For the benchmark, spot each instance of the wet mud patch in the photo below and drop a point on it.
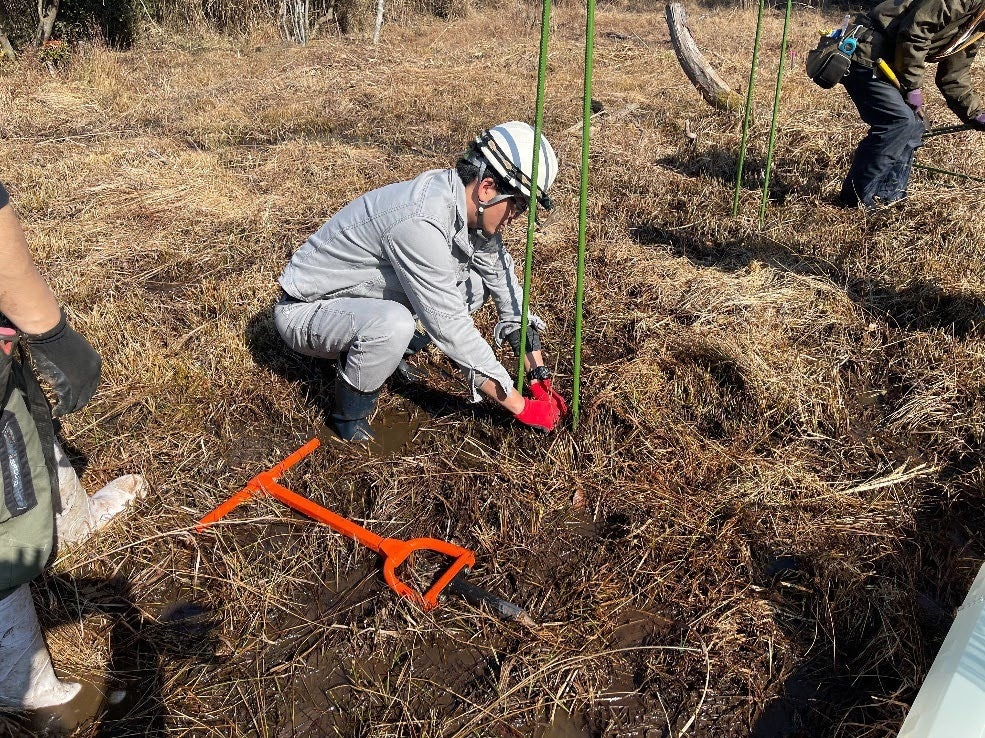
(397, 428)
(82, 710)
(338, 687)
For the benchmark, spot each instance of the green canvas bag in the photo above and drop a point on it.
(28, 476)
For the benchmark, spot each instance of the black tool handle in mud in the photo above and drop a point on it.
(477, 596)
(946, 130)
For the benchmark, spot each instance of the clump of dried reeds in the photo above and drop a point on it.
(778, 470)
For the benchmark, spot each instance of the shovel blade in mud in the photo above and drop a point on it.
(477, 597)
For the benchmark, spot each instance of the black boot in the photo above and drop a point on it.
(406, 372)
(420, 340)
(349, 418)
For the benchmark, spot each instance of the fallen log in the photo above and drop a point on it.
(702, 75)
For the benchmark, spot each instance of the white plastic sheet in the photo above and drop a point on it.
(951, 702)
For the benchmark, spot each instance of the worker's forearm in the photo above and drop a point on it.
(510, 400)
(25, 297)
(532, 359)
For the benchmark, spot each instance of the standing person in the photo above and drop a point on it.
(41, 500)
(908, 35)
(428, 249)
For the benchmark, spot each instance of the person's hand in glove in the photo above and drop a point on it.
(541, 414)
(69, 363)
(914, 98)
(539, 381)
(978, 122)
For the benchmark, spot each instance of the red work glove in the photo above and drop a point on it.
(541, 389)
(539, 414)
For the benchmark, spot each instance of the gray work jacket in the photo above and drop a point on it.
(409, 242)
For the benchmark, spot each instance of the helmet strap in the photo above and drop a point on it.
(482, 204)
(482, 165)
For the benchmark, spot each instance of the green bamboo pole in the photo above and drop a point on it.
(746, 115)
(545, 27)
(586, 132)
(776, 111)
(948, 172)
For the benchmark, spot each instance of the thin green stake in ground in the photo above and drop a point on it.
(586, 130)
(545, 27)
(776, 111)
(747, 114)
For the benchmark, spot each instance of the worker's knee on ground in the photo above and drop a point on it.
(533, 340)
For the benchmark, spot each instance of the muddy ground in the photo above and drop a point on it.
(764, 522)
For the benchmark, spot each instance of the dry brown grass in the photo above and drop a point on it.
(780, 456)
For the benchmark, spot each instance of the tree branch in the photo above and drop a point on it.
(712, 87)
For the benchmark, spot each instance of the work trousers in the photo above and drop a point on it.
(372, 332)
(883, 159)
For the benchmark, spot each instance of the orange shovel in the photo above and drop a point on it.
(394, 551)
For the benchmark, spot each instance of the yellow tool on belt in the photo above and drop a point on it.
(888, 73)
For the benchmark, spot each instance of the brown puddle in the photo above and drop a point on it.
(564, 725)
(395, 431)
(83, 708)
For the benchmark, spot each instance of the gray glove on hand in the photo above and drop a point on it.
(66, 360)
(509, 331)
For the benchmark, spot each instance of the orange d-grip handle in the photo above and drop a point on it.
(397, 551)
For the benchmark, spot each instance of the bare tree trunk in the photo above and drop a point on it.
(379, 22)
(712, 87)
(294, 20)
(6, 48)
(47, 12)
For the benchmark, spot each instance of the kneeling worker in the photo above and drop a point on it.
(430, 250)
(907, 34)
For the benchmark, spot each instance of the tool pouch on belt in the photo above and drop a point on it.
(28, 475)
(828, 64)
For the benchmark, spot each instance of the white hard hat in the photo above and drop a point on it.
(509, 148)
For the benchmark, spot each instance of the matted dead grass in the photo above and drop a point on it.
(776, 488)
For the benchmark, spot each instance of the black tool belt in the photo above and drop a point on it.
(868, 35)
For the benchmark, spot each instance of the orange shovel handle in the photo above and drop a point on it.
(323, 515)
(238, 498)
(394, 550)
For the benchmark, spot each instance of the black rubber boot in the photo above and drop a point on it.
(350, 416)
(420, 340)
(406, 372)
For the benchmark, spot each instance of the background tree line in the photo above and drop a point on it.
(31, 23)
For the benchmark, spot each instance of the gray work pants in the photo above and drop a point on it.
(372, 332)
